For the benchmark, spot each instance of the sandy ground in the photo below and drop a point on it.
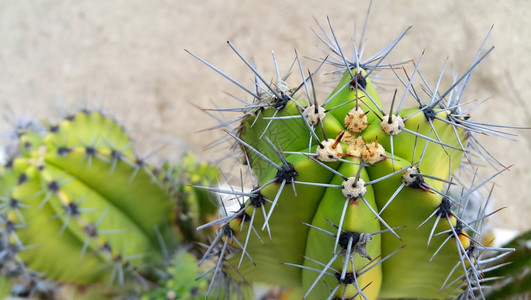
(128, 57)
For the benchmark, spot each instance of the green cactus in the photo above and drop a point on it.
(182, 283)
(81, 207)
(352, 198)
(187, 281)
(511, 270)
(194, 207)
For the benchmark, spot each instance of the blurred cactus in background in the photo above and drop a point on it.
(511, 273)
(182, 283)
(193, 206)
(80, 206)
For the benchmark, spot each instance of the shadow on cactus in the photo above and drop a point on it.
(79, 206)
(350, 198)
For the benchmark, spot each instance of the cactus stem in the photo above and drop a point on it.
(351, 243)
(393, 196)
(92, 233)
(380, 218)
(361, 250)
(444, 285)
(306, 267)
(244, 249)
(340, 226)
(280, 189)
(329, 168)
(327, 185)
(322, 273)
(268, 124)
(346, 103)
(442, 112)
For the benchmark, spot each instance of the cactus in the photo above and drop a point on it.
(193, 206)
(512, 270)
(187, 281)
(181, 284)
(79, 205)
(352, 198)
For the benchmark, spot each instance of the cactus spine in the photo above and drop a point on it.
(351, 199)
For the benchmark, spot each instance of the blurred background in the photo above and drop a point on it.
(128, 58)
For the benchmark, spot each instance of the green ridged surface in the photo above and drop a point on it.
(87, 162)
(405, 274)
